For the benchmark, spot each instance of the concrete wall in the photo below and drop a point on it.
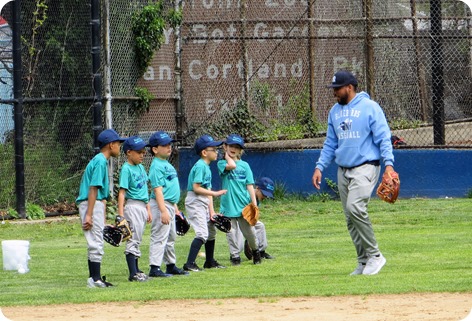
(423, 173)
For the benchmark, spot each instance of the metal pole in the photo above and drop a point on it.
(107, 69)
(437, 75)
(97, 77)
(311, 55)
(369, 48)
(245, 57)
(179, 113)
(18, 111)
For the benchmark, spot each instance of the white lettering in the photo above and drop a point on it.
(207, 4)
(167, 34)
(264, 34)
(231, 31)
(263, 72)
(340, 62)
(280, 70)
(199, 30)
(288, 3)
(218, 33)
(167, 70)
(149, 74)
(190, 69)
(197, 71)
(296, 69)
(212, 72)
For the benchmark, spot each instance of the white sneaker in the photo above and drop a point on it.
(95, 284)
(359, 269)
(374, 265)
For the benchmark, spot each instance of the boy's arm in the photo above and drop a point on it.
(121, 202)
(165, 217)
(91, 199)
(230, 163)
(148, 208)
(252, 193)
(198, 189)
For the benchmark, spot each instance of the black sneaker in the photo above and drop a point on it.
(266, 255)
(138, 277)
(191, 267)
(235, 260)
(107, 284)
(157, 273)
(176, 271)
(256, 257)
(247, 250)
(213, 265)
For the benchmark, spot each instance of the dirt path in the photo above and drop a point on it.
(437, 307)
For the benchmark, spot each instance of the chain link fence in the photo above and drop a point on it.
(258, 68)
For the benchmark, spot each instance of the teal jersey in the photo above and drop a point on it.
(235, 181)
(133, 179)
(201, 174)
(163, 174)
(96, 174)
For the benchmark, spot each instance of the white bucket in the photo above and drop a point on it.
(15, 255)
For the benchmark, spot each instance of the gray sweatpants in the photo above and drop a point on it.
(355, 189)
(260, 235)
(162, 236)
(136, 214)
(198, 215)
(240, 225)
(94, 236)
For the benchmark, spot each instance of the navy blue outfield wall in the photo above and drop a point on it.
(423, 173)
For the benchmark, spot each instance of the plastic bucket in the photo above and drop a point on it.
(15, 255)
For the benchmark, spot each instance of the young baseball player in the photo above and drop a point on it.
(133, 202)
(199, 204)
(264, 189)
(93, 193)
(237, 178)
(165, 194)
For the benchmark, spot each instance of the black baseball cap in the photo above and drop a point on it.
(343, 78)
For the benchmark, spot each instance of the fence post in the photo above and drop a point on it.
(246, 88)
(437, 75)
(179, 113)
(311, 55)
(369, 48)
(18, 111)
(97, 78)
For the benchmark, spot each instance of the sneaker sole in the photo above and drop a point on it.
(377, 270)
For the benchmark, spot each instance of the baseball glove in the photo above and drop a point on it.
(222, 222)
(251, 214)
(181, 224)
(112, 235)
(122, 224)
(389, 187)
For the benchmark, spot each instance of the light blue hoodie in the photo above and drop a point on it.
(357, 132)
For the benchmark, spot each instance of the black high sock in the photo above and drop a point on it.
(94, 270)
(210, 251)
(194, 249)
(131, 260)
(137, 266)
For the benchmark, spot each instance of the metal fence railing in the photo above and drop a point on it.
(258, 68)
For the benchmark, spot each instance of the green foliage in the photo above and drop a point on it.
(148, 29)
(469, 193)
(13, 213)
(34, 212)
(424, 241)
(174, 17)
(237, 120)
(334, 187)
(401, 123)
(144, 102)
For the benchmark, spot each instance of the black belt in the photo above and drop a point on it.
(374, 162)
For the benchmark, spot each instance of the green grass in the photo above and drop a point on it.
(427, 243)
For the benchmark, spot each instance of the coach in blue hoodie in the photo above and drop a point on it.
(358, 138)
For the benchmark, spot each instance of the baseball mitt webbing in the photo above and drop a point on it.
(389, 187)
